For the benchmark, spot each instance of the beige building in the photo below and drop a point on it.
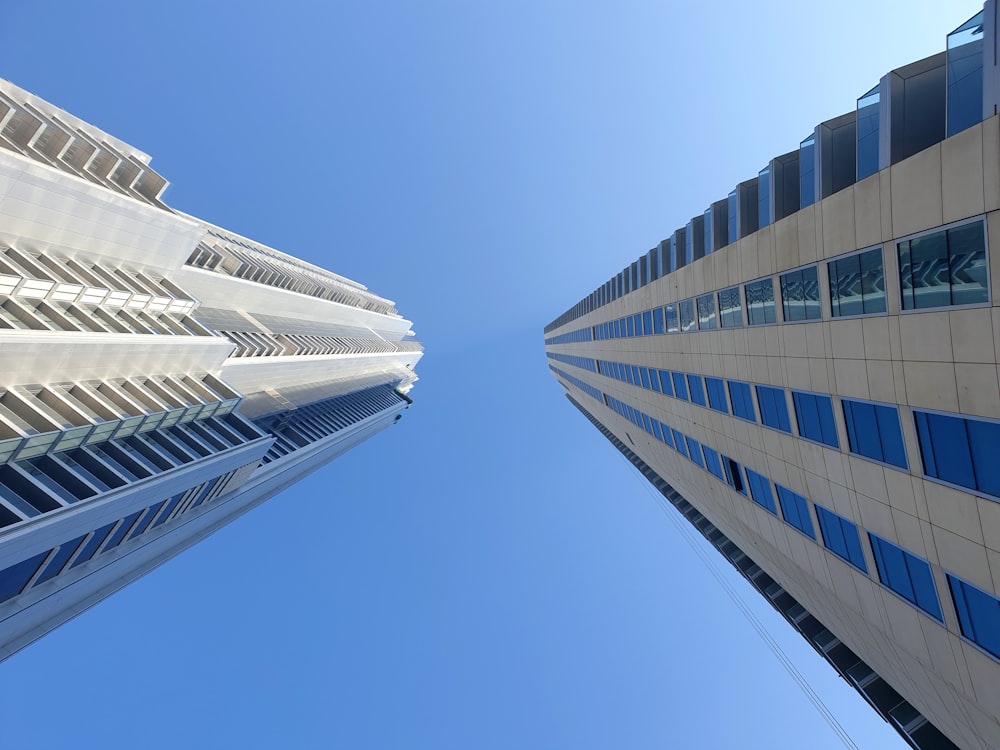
(809, 372)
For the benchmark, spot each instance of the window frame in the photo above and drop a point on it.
(820, 509)
(844, 256)
(949, 576)
(930, 478)
(878, 577)
(833, 416)
(819, 290)
(774, 301)
(739, 316)
(944, 228)
(847, 433)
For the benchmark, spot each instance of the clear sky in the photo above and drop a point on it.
(488, 573)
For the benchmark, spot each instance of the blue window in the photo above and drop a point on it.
(716, 388)
(16, 577)
(730, 308)
(638, 323)
(906, 574)
(630, 326)
(646, 424)
(978, 614)
(667, 438)
(773, 408)
(795, 510)
(121, 531)
(857, 284)
(706, 312)
(760, 491)
(760, 302)
(960, 450)
(712, 462)
(658, 320)
(694, 451)
(679, 444)
(733, 475)
(815, 417)
(680, 386)
(647, 323)
(636, 378)
(644, 377)
(687, 317)
(696, 389)
(665, 383)
(965, 75)
(841, 537)
(873, 431)
(739, 394)
(944, 268)
(654, 380)
(670, 315)
(91, 546)
(800, 295)
(57, 562)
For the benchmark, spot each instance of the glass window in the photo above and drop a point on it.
(679, 443)
(873, 431)
(739, 395)
(706, 312)
(647, 323)
(978, 614)
(667, 435)
(906, 574)
(814, 414)
(857, 284)
(57, 562)
(945, 268)
(630, 326)
(760, 490)
(654, 380)
(795, 510)
(867, 118)
(800, 295)
(658, 320)
(807, 171)
(773, 408)
(696, 390)
(760, 302)
(670, 313)
(764, 196)
(960, 450)
(712, 462)
(92, 544)
(694, 451)
(688, 321)
(965, 75)
(716, 388)
(16, 577)
(733, 228)
(841, 537)
(730, 308)
(644, 377)
(665, 383)
(733, 475)
(680, 386)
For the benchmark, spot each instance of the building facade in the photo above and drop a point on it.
(159, 376)
(808, 372)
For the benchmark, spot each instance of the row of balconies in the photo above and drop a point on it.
(256, 344)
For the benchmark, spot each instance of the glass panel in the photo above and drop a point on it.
(16, 577)
(764, 197)
(706, 312)
(807, 171)
(687, 316)
(760, 302)
(868, 117)
(730, 308)
(733, 229)
(965, 75)
(967, 264)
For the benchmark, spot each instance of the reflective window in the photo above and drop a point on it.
(857, 284)
(706, 312)
(665, 383)
(670, 313)
(978, 614)
(873, 431)
(680, 386)
(807, 171)
(760, 490)
(679, 443)
(733, 475)
(696, 390)
(92, 544)
(730, 308)
(57, 562)
(800, 295)
(841, 537)
(716, 388)
(814, 413)
(944, 268)
(712, 462)
(764, 197)
(760, 302)
(739, 395)
(16, 577)
(868, 116)
(694, 451)
(965, 75)
(688, 320)
(773, 408)
(647, 323)
(667, 435)
(658, 326)
(795, 510)
(906, 574)
(960, 450)
(733, 228)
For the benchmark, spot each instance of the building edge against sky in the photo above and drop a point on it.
(160, 375)
(808, 372)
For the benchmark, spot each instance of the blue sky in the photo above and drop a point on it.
(488, 573)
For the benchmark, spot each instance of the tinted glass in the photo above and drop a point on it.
(730, 308)
(706, 312)
(800, 295)
(760, 302)
(687, 316)
(944, 268)
(978, 614)
(867, 130)
(965, 75)
(807, 171)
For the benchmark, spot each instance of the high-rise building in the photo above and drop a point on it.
(159, 376)
(808, 372)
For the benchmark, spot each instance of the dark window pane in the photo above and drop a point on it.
(16, 577)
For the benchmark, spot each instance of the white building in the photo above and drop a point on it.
(807, 371)
(159, 376)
